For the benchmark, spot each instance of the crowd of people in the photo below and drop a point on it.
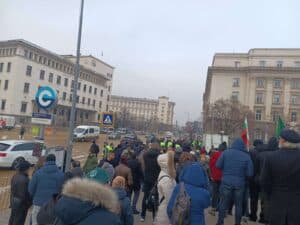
(179, 180)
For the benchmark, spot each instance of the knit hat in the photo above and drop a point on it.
(290, 136)
(23, 166)
(118, 182)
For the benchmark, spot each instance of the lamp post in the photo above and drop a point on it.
(74, 93)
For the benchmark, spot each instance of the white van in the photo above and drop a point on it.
(83, 133)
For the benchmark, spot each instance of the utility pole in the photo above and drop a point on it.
(74, 93)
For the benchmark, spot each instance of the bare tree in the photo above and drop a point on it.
(227, 116)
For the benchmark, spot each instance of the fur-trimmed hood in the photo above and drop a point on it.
(81, 196)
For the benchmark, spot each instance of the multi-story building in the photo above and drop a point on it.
(24, 67)
(144, 109)
(266, 80)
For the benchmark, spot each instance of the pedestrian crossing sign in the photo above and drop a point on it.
(108, 119)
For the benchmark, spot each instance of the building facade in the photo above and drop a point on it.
(24, 67)
(144, 109)
(266, 80)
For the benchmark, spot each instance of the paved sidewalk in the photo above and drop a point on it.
(210, 220)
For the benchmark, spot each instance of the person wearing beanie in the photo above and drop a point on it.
(125, 210)
(46, 182)
(20, 200)
(280, 180)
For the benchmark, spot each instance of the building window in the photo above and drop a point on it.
(77, 99)
(95, 91)
(275, 116)
(297, 63)
(8, 67)
(26, 88)
(107, 97)
(236, 82)
(258, 134)
(294, 116)
(276, 99)
(109, 88)
(258, 114)
(106, 108)
(90, 89)
(23, 107)
(5, 84)
(100, 104)
(42, 75)
(1, 67)
(58, 80)
(277, 83)
(84, 88)
(28, 70)
(94, 102)
(262, 63)
(295, 84)
(78, 85)
(87, 116)
(259, 98)
(234, 96)
(72, 84)
(294, 99)
(83, 100)
(50, 79)
(279, 64)
(89, 101)
(101, 93)
(260, 83)
(71, 98)
(237, 64)
(3, 103)
(64, 97)
(66, 82)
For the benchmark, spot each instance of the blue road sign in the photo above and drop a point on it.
(46, 97)
(107, 119)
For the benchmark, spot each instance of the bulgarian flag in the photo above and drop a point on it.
(245, 133)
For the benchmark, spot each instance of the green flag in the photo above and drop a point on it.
(279, 127)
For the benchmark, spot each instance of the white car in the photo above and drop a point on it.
(13, 151)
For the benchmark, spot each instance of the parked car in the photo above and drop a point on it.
(83, 133)
(14, 151)
(114, 135)
(130, 137)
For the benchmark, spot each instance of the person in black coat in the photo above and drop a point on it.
(280, 180)
(20, 200)
(151, 172)
(95, 148)
(137, 176)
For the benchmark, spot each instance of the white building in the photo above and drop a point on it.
(144, 109)
(24, 67)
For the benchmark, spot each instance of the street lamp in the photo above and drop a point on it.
(74, 93)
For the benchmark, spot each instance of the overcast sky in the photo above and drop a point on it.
(159, 47)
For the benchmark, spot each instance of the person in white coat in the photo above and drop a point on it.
(165, 186)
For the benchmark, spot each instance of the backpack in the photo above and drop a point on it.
(181, 212)
(152, 200)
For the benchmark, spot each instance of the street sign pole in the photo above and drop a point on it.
(74, 94)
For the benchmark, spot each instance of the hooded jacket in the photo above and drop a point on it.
(86, 202)
(152, 168)
(90, 163)
(46, 182)
(126, 215)
(236, 165)
(137, 173)
(165, 187)
(216, 174)
(109, 170)
(195, 180)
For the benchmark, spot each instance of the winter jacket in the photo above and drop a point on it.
(86, 202)
(165, 187)
(137, 173)
(235, 164)
(94, 148)
(124, 171)
(280, 180)
(77, 172)
(109, 170)
(195, 182)
(125, 213)
(152, 168)
(45, 182)
(90, 163)
(19, 191)
(216, 174)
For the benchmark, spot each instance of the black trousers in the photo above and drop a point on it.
(254, 190)
(18, 216)
(147, 189)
